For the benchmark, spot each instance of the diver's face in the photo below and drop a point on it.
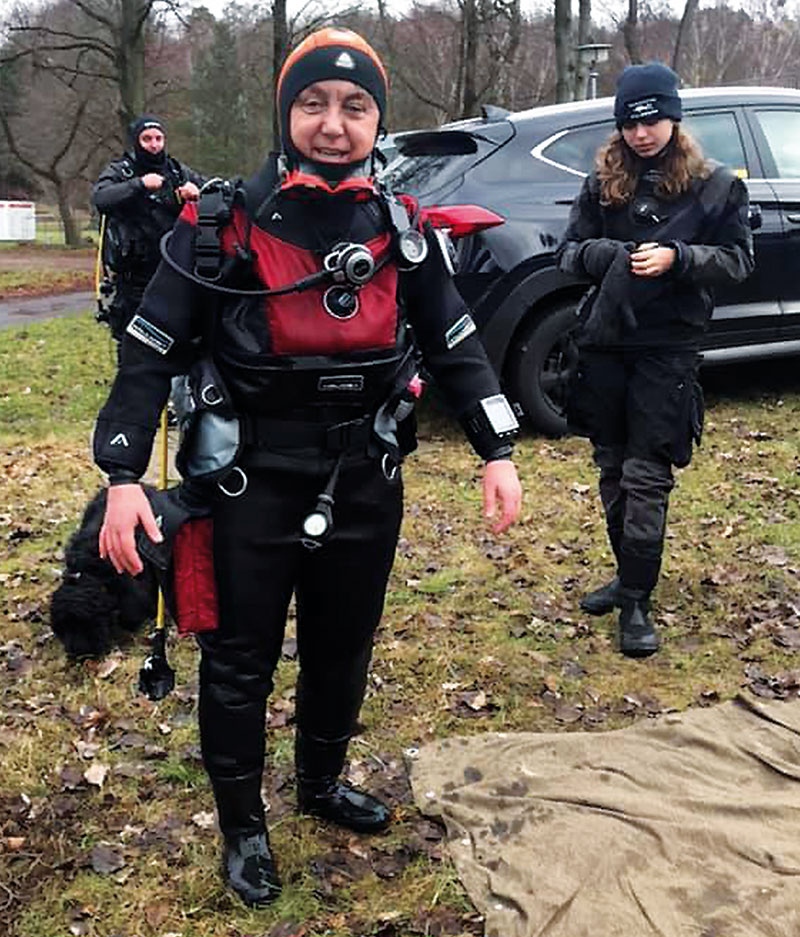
(647, 138)
(334, 121)
(152, 140)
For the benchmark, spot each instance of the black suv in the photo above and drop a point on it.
(528, 166)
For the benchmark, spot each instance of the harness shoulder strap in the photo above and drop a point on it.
(214, 209)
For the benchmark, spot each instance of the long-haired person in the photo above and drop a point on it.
(656, 227)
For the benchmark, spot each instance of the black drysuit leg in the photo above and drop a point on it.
(340, 590)
(609, 460)
(646, 486)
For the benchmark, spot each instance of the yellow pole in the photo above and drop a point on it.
(99, 258)
(163, 452)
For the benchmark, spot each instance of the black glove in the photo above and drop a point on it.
(597, 254)
(612, 312)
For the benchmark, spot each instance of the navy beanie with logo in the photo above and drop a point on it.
(647, 92)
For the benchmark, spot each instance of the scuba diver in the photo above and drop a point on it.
(139, 197)
(656, 227)
(304, 301)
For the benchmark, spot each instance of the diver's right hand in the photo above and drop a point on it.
(152, 181)
(127, 507)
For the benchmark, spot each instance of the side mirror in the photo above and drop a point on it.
(754, 217)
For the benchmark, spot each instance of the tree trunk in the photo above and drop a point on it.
(683, 33)
(71, 234)
(584, 25)
(630, 32)
(563, 41)
(130, 61)
(469, 101)
(280, 41)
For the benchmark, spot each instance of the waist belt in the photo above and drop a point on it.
(266, 433)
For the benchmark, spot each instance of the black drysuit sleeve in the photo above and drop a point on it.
(459, 366)
(726, 254)
(584, 252)
(114, 190)
(170, 312)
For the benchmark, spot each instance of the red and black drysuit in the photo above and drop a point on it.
(310, 390)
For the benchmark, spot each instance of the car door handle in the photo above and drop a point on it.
(795, 219)
(755, 217)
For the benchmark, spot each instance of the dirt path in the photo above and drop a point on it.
(30, 309)
(47, 258)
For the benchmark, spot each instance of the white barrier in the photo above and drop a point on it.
(17, 221)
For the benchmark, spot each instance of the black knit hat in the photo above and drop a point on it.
(328, 53)
(645, 92)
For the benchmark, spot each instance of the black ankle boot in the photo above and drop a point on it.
(603, 600)
(247, 862)
(637, 634)
(320, 793)
(249, 868)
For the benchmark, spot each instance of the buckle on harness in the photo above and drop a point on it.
(213, 213)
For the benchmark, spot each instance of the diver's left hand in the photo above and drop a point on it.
(188, 192)
(501, 484)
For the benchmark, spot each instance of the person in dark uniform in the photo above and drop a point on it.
(319, 376)
(656, 227)
(141, 195)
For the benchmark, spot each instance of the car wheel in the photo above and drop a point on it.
(543, 361)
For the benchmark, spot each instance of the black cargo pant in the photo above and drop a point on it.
(339, 590)
(642, 410)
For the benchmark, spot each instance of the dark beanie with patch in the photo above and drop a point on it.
(330, 53)
(647, 92)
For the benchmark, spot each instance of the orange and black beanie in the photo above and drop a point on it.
(328, 53)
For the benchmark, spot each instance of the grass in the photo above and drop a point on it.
(42, 282)
(479, 634)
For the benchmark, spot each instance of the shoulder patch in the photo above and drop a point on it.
(459, 330)
(150, 335)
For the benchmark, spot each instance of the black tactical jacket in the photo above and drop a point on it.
(138, 218)
(708, 227)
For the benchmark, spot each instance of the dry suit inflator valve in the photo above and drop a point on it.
(351, 266)
(349, 263)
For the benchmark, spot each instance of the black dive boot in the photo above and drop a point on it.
(637, 634)
(322, 794)
(603, 600)
(247, 862)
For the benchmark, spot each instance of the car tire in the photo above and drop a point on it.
(543, 361)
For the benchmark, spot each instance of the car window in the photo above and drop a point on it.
(782, 130)
(719, 138)
(574, 149)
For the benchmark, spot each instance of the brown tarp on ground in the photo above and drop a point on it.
(688, 826)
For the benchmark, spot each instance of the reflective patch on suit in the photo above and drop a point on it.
(150, 335)
(499, 414)
(459, 331)
(120, 440)
(349, 383)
